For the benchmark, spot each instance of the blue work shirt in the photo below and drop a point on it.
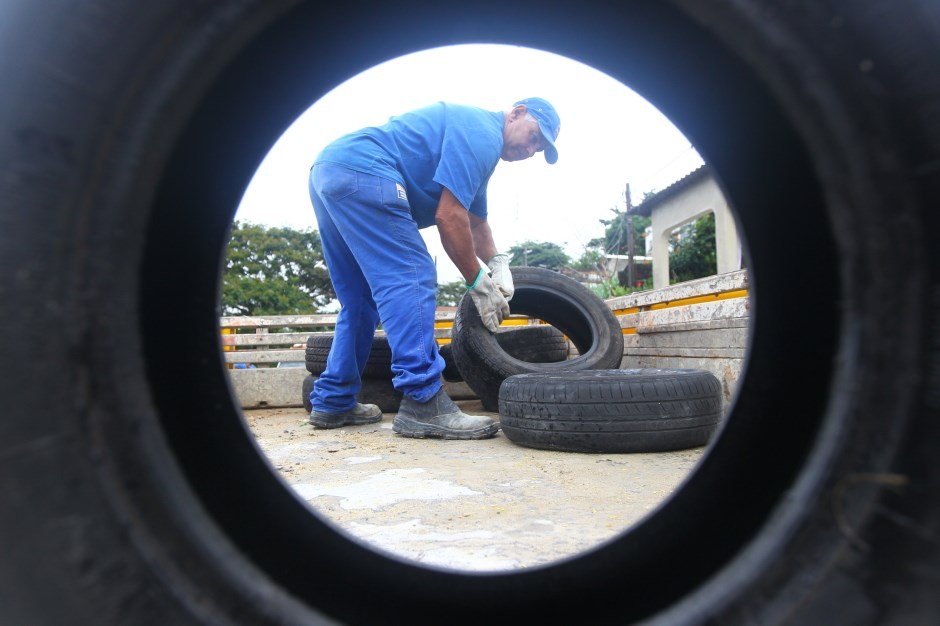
(442, 145)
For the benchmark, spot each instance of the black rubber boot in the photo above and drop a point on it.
(359, 414)
(440, 418)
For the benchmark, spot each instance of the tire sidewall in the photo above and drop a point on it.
(484, 364)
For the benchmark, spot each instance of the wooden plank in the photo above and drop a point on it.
(683, 352)
(627, 321)
(701, 326)
(269, 339)
(710, 338)
(273, 321)
(703, 316)
(705, 312)
(264, 356)
(731, 281)
(289, 339)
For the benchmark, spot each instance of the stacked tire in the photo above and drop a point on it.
(532, 344)
(570, 307)
(535, 344)
(378, 365)
(582, 404)
(376, 376)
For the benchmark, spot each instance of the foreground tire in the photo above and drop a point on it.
(536, 344)
(562, 302)
(134, 494)
(373, 391)
(640, 410)
(379, 364)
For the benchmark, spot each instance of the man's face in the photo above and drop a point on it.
(521, 136)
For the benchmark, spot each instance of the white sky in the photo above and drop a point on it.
(609, 136)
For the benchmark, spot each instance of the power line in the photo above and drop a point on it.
(649, 175)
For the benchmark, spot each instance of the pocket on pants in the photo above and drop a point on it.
(334, 181)
(395, 197)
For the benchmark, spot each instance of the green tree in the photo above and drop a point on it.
(274, 271)
(693, 253)
(449, 294)
(539, 254)
(615, 233)
(593, 252)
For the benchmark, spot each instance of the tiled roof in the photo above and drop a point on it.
(646, 207)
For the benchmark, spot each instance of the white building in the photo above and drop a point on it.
(681, 203)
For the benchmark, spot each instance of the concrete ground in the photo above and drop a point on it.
(468, 505)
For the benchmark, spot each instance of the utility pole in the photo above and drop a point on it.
(631, 247)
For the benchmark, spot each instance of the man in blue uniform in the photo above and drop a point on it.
(371, 191)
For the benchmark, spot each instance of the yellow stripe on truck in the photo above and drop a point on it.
(712, 297)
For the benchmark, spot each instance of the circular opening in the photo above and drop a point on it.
(484, 505)
(765, 170)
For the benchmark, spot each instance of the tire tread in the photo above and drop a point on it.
(611, 410)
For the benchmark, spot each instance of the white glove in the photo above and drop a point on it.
(499, 270)
(491, 304)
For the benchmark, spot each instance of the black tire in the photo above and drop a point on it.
(134, 494)
(305, 389)
(380, 392)
(373, 391)
(638, 410)
(451, 374)
(535, 344)
(565, 304)
(379, 364)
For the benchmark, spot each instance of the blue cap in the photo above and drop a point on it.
(548, 121)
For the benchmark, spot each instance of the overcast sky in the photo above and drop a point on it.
(609, 136)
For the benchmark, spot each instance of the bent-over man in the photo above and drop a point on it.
(372, 190)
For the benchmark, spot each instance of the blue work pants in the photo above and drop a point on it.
(381, 270)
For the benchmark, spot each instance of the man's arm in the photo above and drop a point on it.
(486, 250)
(459, 240)
(462, 244)
(483, 243)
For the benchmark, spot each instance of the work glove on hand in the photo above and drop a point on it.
(490, 302)
(499, 270)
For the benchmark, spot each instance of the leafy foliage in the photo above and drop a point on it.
(449, 294)
(539, 254)
(274, 271)
(612, 288)
(693, 251)
(591, 256)
(615, 234)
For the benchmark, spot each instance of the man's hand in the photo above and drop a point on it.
(499, 268)
(491, 304)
